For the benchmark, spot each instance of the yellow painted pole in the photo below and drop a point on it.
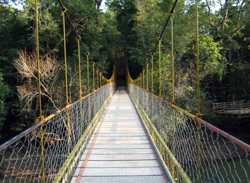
(152, 85)
(66, 77)
(89, 111)
(152, 72)
(93, 76)
(101, 87)
(87, 55)
(160, 121)
(97, 87)
(38, 63)
(147, 91)
(173, 81)
(159, 39)
(97, 78)
(78, 38)
(172, 56)
(65, 56)
(100, 79)
(79, 61)
(198, 60)
(198, 96)
(143, 84)
(140, 79)
(147, 76)
(94, 102)
(80, 77)
(39, 91)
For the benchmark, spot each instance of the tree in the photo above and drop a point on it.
(26, 66)
(3, 95)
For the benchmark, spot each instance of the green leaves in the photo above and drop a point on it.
(4, 88)
(212, 61)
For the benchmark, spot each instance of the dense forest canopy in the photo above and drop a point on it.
(131, 25)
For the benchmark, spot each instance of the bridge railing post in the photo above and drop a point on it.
(159, 69)
(41, 117)
(152, 86)
(198, 97)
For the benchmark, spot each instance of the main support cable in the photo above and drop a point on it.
(163, 30)
(150, 60)
(74, 29)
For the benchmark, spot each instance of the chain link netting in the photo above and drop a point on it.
(37, 154)
(203, 152)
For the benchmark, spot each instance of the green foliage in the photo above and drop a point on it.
(17, 32)
(132, 26)
(3, 95)
(212, 62)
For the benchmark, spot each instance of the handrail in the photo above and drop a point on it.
(21, 157)
(157, 137)
(178, 129)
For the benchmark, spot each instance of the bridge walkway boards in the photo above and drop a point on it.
(119, 150)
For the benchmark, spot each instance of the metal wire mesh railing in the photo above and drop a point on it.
(192, 155)
(53, 145)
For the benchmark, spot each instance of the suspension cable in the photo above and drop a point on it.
(79, 58)
(163, 30)
(65, 55)
(38, 64)
(143, 83)
(154, 50)
(87, 55)
(159, 39)
(74, 29)
(198, 62)
(97, 78)
(39, 91)
(100, 79)
(198, 97)
(152, 72)
(172, 55)
(93, 64)
(147, 76)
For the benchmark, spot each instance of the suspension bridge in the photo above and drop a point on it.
(123, 134)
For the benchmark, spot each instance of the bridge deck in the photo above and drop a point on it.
(119, 151)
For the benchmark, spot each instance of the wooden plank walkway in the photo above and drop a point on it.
(119, 151)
